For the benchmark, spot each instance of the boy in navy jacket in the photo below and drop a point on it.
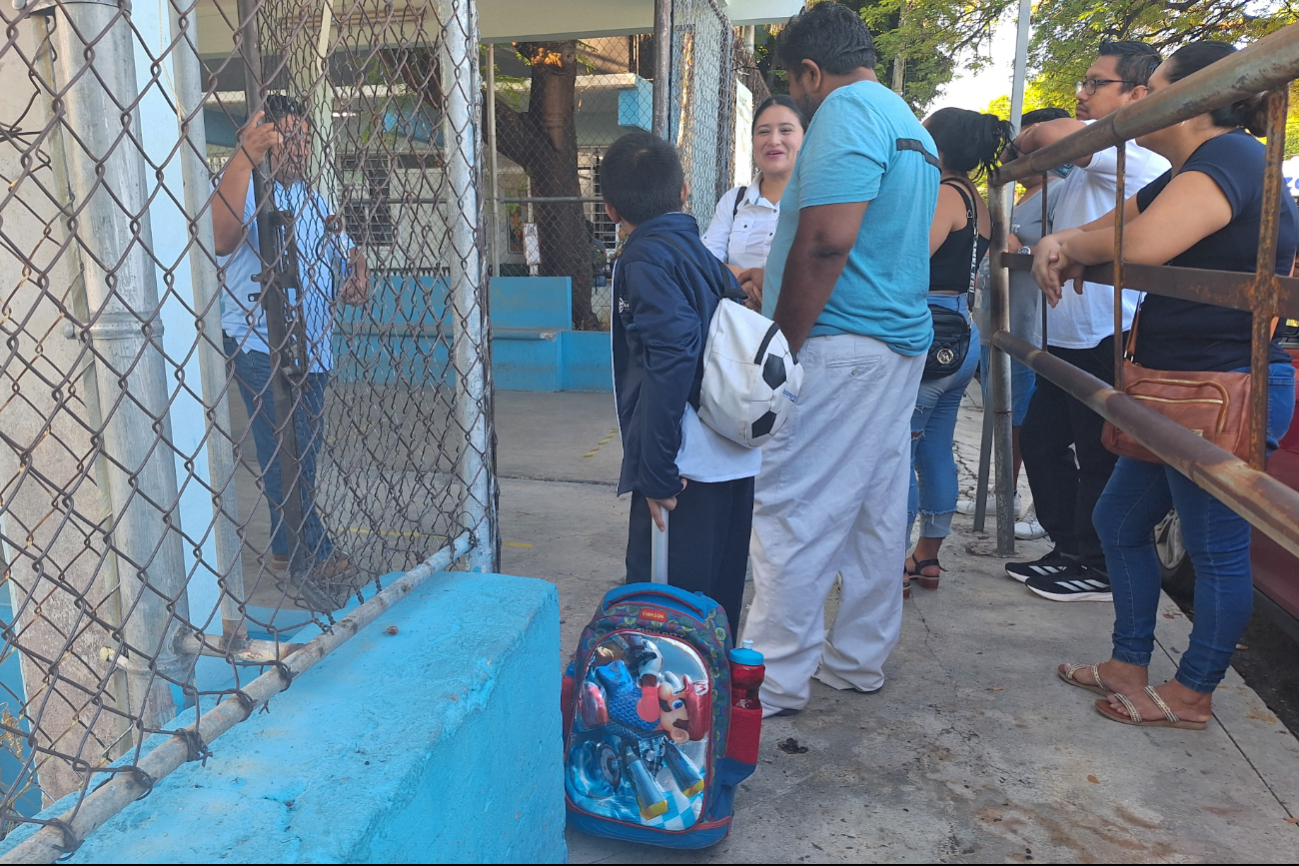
(666, 285)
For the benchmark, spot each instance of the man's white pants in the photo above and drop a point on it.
(832, 499)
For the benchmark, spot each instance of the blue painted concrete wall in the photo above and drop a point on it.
(532, 302)
(403, 334)
(587, 365)
(440, 743)
(532, 346)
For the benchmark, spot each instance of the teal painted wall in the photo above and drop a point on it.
(440, 743)
(403, 334)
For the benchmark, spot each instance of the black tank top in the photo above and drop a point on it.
(949, 266)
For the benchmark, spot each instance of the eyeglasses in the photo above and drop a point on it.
(1090, 84)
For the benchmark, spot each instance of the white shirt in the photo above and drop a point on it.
(319, 255)
(1082, 321)
(745, 240)
(708, 456)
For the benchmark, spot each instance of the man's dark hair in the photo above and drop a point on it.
(830, 35)
(278, 106)
(1137, 61)
(1041, 115)
(641, 177)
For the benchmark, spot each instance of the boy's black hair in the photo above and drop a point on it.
(278, 106)
(641, 177)
(1137, 61)
(830, 35)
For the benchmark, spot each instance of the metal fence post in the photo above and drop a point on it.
(999, 207)
(662, 68)
(468, 311)
(111, 221)
(491, 160)
(207, 309)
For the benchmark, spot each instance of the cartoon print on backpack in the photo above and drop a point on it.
(639, 746)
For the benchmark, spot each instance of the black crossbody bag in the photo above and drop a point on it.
(952, 328)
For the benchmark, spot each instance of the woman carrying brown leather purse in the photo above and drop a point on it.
(1203, 213)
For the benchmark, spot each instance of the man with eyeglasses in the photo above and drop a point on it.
(1067, 482)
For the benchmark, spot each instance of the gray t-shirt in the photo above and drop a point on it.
(1025, 296)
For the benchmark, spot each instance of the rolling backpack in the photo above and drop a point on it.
(653, 748)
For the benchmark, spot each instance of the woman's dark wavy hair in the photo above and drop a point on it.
(783, 101)
(1249, 113)
(968, 141)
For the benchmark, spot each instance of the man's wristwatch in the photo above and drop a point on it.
(1025, 251)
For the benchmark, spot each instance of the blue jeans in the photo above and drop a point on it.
(1138, 496)
(1023, 382)
(933, 424)
(253, 373)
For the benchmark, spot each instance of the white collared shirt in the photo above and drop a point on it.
(745, 239)
(1082, 321)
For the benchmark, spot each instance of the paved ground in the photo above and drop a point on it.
(974, 751)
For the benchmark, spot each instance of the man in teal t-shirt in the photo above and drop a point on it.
(846, 281)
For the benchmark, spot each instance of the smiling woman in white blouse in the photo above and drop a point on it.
(745, 222)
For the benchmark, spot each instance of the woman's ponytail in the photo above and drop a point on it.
(967, 141)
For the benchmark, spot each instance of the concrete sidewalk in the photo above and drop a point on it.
(974, 751)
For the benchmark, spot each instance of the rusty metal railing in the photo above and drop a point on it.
(1268, 65)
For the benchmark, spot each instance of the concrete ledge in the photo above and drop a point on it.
(440, 743)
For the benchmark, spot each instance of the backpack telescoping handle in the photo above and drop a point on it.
(659, 550)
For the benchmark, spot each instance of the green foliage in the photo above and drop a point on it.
(1066, 33)
(929, 35)
(1035, 97)
(1292, 123)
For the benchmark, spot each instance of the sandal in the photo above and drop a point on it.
(924, 581)
(1170, 719)
(906, 584)
(1097, 685)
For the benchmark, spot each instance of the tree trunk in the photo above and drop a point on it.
(543, 141)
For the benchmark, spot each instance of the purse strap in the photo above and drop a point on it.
(971, 217)
(1130, 350)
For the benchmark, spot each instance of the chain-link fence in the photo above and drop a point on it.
(241, 385)
(558, 107)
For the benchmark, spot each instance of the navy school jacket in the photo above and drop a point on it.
(664, 295)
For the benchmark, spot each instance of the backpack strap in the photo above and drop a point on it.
(739, 197)
(722, 294)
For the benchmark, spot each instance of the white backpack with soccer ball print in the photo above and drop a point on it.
(751, 378)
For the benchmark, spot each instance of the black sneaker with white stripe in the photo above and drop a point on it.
(1074, 583)
(1051, 564)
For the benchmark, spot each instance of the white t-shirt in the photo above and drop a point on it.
(745, 239)
(708, 456)
(320, 254)
(1082, 321)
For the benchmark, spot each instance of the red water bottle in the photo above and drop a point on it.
(747, 673)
